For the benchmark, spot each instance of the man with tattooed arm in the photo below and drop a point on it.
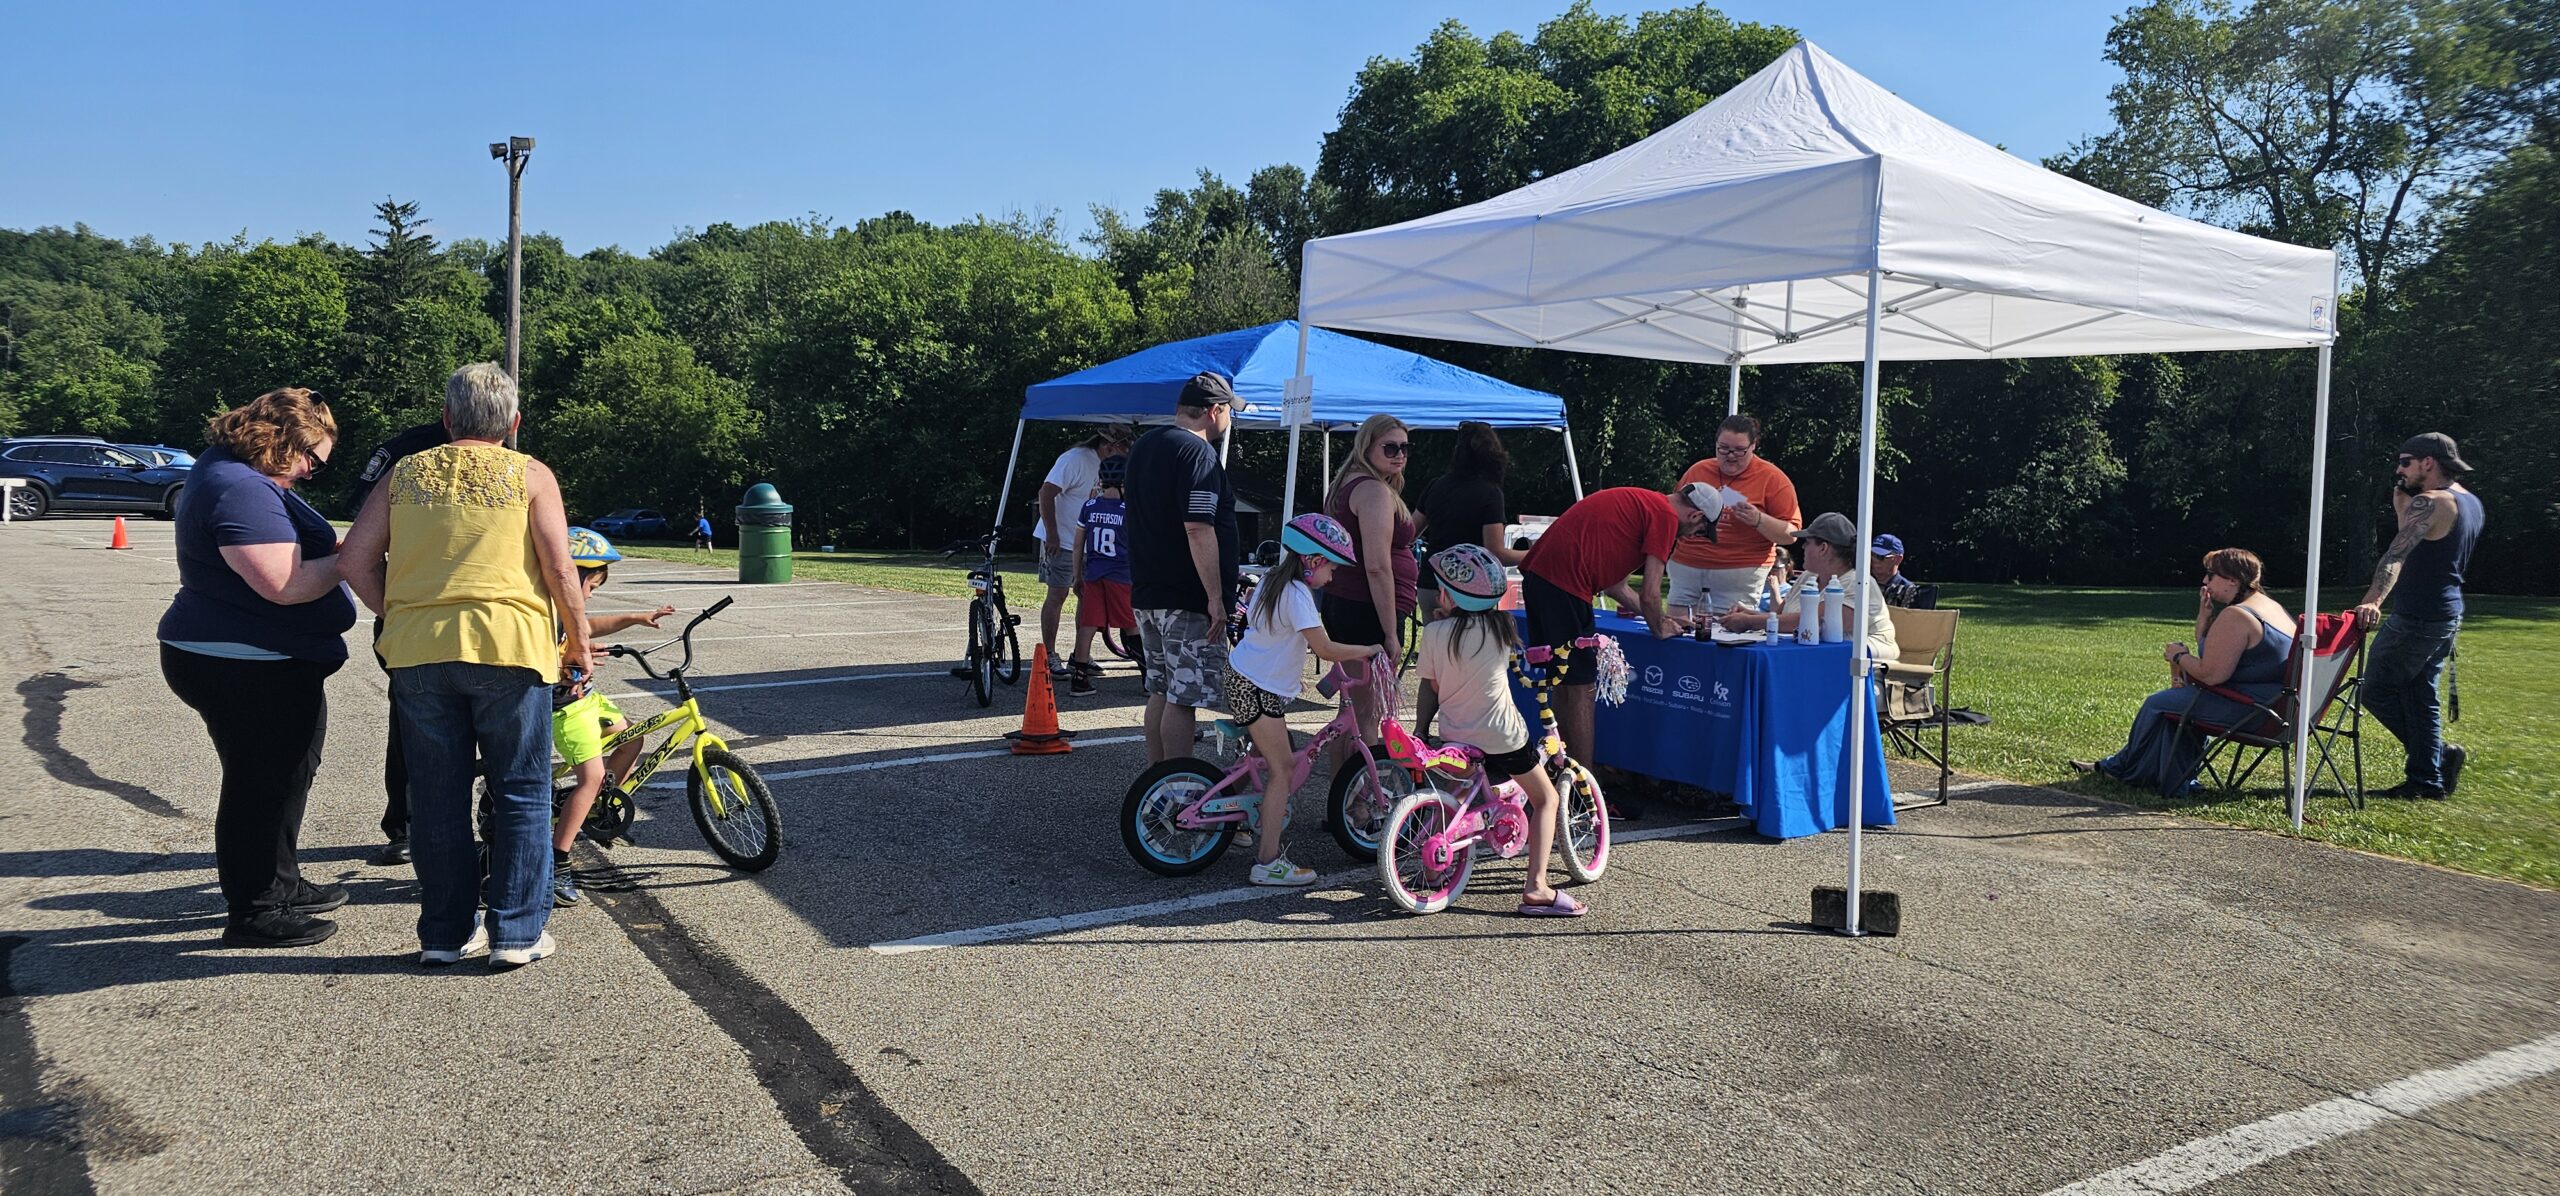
(2421, 574)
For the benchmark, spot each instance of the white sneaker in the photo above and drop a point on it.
(515, 957)
(479, 945)
(1282, 873)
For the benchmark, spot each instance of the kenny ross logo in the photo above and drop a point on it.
(1724, 693)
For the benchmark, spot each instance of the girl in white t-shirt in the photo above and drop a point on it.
(1466, 656)
(1266, 670)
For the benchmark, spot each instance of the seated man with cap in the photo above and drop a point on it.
(1831, 543)
(1885, 565)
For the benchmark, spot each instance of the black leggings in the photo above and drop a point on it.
(268, 719)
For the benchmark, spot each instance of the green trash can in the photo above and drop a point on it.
(764, 536)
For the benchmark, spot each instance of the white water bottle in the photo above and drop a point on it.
(1835, 613)
(1806, 603)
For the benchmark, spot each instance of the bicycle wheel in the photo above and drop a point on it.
(982, 653)
(1582, 821)
(1410, 879)
(1007, 636)
(1362, 799)
(1147, 819)
(747, 831)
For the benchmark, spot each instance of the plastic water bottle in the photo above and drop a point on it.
(1835, 613)
(1806, 603)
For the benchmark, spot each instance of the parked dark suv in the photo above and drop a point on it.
(84, 473)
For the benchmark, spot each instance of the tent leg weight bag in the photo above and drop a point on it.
(1878, 913)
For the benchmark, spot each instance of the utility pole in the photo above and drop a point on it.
(514, 151)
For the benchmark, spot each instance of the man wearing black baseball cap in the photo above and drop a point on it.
(1181, 526)
(2421, 574)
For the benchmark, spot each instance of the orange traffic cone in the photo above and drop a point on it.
(119, 541)
(1040, 735)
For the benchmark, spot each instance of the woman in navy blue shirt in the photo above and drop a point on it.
(258, 625)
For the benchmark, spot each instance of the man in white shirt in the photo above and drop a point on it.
(1062, 495)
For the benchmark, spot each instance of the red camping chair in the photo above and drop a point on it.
(2233, 749)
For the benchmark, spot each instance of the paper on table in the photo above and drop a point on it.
(1757, 635)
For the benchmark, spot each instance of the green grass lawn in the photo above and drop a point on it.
(2060, 672)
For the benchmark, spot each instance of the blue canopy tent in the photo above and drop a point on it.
(1354, 380)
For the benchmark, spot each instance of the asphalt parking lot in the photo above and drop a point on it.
(956, 980)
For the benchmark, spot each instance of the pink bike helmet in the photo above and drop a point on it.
(1313, 534)
(1469, 576)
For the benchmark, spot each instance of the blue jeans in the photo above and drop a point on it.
(449, 712)
(2400, 674)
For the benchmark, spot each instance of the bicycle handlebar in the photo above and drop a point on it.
(685, 637)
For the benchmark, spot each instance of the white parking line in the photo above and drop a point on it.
(707, 689)
(2233, 1151)
(1037, 927)
(901, 762)
(807, 635)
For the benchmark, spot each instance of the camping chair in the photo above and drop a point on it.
(2233, 749)
(1914, 689)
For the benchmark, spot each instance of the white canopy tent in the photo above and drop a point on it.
(1809, 215)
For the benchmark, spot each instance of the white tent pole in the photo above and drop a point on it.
(1862, 576)
(1324, 472)
(1571, 466)
(1006, 491)
(1289, 486)
(2306, 703)
(1733, 387)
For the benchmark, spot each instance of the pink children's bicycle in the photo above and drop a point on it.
(1180, 815)
(1428, 848)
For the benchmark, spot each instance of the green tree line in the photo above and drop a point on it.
(872, 370)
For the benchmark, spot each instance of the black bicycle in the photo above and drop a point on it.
(995, 641)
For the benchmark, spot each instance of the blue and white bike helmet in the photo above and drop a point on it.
(589, 548)
(1313, 534)
(1470, 576)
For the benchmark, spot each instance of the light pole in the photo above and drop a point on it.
(514, 151)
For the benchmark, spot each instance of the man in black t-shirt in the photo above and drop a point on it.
(1182, 561)
(395, 770)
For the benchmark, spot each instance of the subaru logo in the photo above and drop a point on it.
(1653, 675)
(1689, 685)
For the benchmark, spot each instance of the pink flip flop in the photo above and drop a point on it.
(1564, 906)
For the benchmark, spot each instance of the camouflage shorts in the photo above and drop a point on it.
(1184, 660)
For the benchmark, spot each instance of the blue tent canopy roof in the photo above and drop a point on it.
(1353, 380)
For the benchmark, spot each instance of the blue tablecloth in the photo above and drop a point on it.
(1762, 722)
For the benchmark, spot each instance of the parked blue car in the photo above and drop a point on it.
(84, 473)
(634, 523)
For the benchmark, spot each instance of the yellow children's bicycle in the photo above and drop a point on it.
(730, 802)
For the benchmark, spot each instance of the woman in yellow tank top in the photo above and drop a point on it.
(464, 553)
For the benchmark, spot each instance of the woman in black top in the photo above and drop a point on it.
(1464, 506)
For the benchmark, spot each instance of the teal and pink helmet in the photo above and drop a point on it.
(1470, 576)
(1313, 534)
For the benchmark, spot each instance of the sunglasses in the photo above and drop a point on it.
(2406, 460)
(317, 461)
(1394, 448)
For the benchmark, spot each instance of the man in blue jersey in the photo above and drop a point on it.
(2421, 574)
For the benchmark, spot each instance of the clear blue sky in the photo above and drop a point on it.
(194, 122)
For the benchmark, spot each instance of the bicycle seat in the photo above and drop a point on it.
(1455, 759)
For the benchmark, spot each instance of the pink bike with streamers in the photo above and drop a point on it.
(1431, 840)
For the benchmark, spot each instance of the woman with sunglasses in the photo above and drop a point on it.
(2242, 639)
(257, 627)
(1364, 605)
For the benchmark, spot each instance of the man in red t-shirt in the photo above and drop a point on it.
(1589, 551)
(1728, 570)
